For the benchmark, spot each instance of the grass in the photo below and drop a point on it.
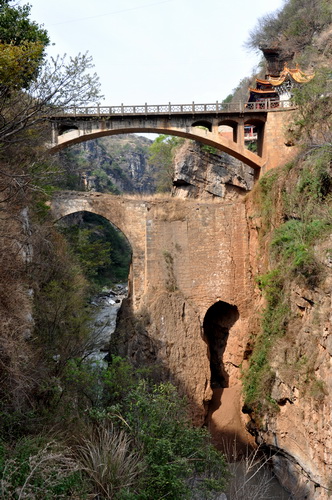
(40, 469)
(106, 455)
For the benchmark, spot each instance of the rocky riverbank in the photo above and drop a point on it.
(106, 307)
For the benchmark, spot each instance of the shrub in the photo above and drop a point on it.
(179, 457)
(40, 469)
(106, 456)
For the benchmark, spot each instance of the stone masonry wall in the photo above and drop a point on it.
(187, 255)
(277, 149)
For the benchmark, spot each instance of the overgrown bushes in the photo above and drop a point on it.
(130, 439)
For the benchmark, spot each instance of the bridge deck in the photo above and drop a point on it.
(172, 109)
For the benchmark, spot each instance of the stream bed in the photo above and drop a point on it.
(107, 305)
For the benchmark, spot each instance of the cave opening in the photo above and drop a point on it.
(218, 320)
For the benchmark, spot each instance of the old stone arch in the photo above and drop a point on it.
(217, 323)
(90, 219)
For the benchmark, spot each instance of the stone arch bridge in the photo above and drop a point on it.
(186, 256)
(201, 122)
(206, 240)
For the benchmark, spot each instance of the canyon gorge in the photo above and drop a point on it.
(166, 299)
(194, 308)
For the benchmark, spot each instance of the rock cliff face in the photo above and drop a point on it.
(203, 255)
(113, 164)
(199, 173)
(172, 326)
(299, 429)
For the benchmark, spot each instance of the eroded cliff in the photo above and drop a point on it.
(288, 383)
(213, 253)
(200, 173)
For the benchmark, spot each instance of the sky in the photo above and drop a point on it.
(157, 51)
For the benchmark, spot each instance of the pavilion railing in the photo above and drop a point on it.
(173, 109)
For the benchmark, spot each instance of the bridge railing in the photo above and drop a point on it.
(170, 109)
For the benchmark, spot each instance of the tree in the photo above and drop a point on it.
(61, 82)
(18, 65)
(293, 27)
(31, 87)
(16, 28)
(22, 41)
(161, 156)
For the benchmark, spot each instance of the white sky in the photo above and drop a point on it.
(157, 51)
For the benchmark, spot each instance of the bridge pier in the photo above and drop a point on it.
(240, 133)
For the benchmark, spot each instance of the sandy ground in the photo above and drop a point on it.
(226, 424)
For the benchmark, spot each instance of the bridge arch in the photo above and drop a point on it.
(203, 123)
(204, 135)
(125, 213)
(115, 221)
(100, 229)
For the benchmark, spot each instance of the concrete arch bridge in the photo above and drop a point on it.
(201, 122)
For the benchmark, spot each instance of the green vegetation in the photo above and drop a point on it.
(161, 156)
(22, 47)
(102, 251)
(209, 149)
(175, 457)
(293, 27)
(296, 215)
(131, 439)
(294, 203)
(179, 458)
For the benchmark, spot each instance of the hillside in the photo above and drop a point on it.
(287, 383)
(113, 164)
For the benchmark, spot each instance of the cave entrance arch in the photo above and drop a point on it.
(217, 323)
